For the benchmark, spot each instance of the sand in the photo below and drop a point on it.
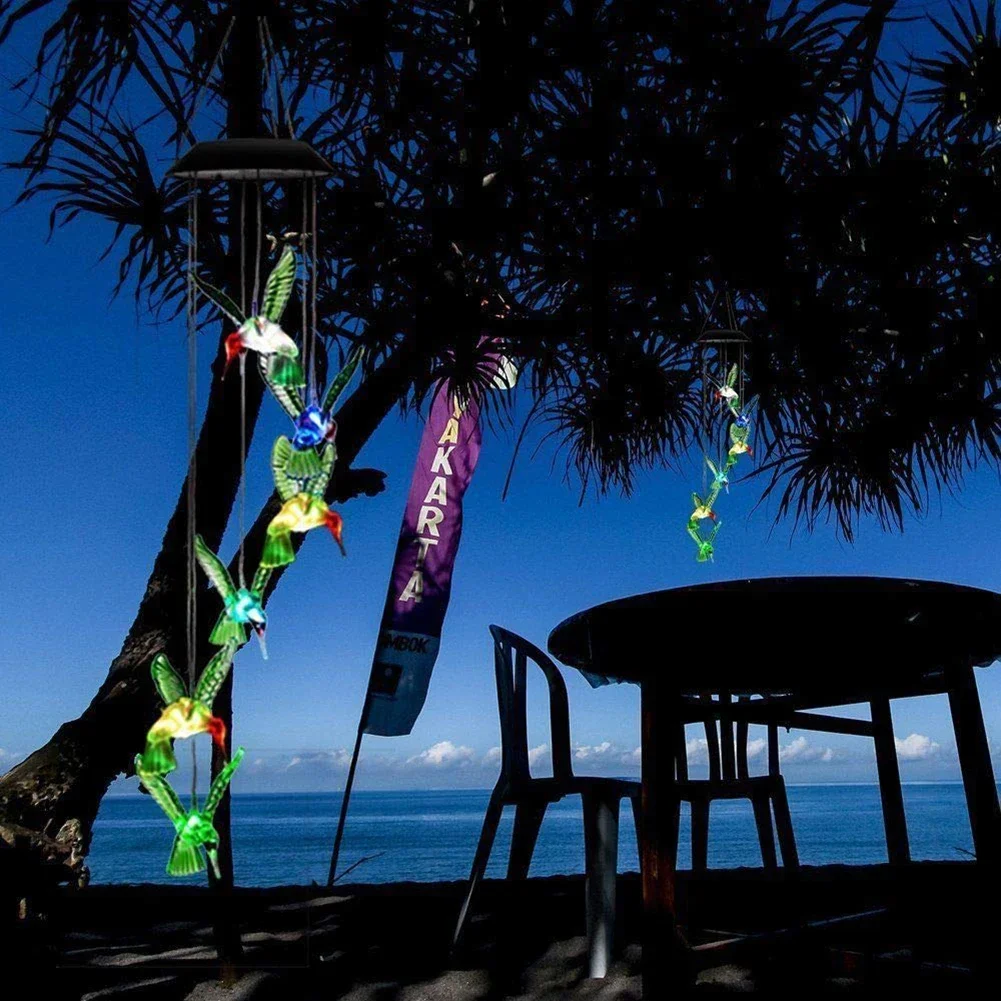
(526, 941)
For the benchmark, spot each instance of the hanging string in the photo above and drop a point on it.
(307, 344)
(243, 248)
(243, 384)
(257, 255)
(192, 581)
(274, 53)
(201, 83)
(316, 279)
(267, 73)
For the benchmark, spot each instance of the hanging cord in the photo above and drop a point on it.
(243, 385)
(307, 344)
(316, 280)
(207, 77)
(257, 255)
(192, 581)
(243, 248)
(272, 53)
(267, 73)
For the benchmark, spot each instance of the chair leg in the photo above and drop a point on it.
(766, 836)
(637, 807)
(783, 826)
(527, 821)
(490, 824)
(601, 841)
(700, 834)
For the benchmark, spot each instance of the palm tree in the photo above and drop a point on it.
(610, 168)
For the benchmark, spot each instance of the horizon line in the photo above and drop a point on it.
(488, 789)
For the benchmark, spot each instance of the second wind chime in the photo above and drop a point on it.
(301, 464)
(725, 424)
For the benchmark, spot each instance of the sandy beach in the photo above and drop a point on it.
(526, 942)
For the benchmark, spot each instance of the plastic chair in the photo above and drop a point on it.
(531, 796)
(729, 778)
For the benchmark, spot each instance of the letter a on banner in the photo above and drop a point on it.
(421, 581)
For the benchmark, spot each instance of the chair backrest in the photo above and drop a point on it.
(727, 754)
(511, 656)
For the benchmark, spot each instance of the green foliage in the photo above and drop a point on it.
(626, 162)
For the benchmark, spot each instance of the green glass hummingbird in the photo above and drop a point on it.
(242, 605)
(194, 826)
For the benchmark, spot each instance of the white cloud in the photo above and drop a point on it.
(492, 757)
(801, 751)
(697, 751)
(338, 758)
(916, 747)
(536, 754)
(585, 753)
(634, 757)
(444, 754)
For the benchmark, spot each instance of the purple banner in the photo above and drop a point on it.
(421, 581)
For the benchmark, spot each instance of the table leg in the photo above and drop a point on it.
(898, 849)
(663, 953)
(975, 763)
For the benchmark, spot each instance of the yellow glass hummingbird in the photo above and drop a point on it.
(303, 507)
(184, 715)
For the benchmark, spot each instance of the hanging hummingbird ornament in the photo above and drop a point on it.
(261, 333)
(303, 507)
(725, 392)
(242, 605)
(185, 715)
(719, 473)
(726, 388)
(194, 829)
(703, 508)
(315, 427)
(739, 436)
(705, 546)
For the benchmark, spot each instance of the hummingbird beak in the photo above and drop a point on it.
(217, 730)
(213, 855)
(335, 523)
(259, 630)
(234, 348)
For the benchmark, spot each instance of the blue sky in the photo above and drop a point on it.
(94, 414)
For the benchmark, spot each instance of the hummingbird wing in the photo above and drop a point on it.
(168, 682)
(220, 300)
(318, 484)
(279, 285)
(696, 500)
(712, 466)
(220, 782)
(731, 378)
(287, 396)
(161, 792)
(214, 569)
(261, 579)
(342, 379)
(281, 452)
(214, 675)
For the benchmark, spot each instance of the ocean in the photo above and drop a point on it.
(282, 839)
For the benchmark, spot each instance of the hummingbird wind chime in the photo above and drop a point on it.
(722, 396)
(301, 465)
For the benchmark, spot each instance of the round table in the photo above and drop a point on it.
(814, 641)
